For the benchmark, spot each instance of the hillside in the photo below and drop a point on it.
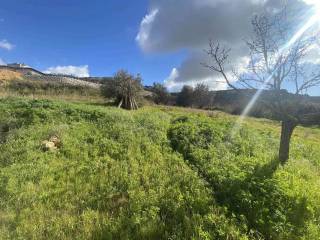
(9, 73)
(21, 82)
(81, 171)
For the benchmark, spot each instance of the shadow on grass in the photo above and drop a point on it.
(258, 199)
(267, 208)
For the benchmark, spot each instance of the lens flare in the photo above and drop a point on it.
(314, 19)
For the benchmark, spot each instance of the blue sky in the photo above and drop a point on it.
(161, 39)
(100, 34)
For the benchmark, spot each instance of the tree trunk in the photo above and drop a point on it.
(286, 133)
(120, 104)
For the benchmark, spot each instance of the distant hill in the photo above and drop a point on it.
(22, 70)
(234, 101)
(28, 73)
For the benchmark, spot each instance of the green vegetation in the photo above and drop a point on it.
(28, 87)
(155, 173)
(125, 89)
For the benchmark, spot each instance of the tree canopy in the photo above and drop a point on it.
(125, 89)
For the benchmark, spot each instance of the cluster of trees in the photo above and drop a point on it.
(198, 97)
(160, 94)
(127, 91)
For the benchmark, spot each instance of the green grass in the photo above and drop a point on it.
(156, 173)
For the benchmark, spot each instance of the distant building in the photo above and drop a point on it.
(17, 65)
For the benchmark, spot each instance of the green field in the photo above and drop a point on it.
(155, 173)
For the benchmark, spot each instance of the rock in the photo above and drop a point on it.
(48, 146)
(52, 144)
(56, 141)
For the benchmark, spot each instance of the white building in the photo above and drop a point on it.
(17, 65)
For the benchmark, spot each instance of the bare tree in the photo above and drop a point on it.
(124, 88)
(277, 64)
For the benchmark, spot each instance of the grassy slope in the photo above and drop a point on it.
(158, 173)
(14, 84)
(7, 75)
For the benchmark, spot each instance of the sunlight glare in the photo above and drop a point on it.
(313, 20)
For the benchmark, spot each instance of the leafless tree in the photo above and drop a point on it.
(124, 88)
(277, 61)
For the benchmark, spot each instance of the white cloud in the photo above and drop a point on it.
(145, 28)
(312, 2)
(6, 45)
(174, 85)
(78, 71)
(2, 62)
(313, 55)
(171, 83)
(173, 25)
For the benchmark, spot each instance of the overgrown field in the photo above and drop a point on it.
(156, 173)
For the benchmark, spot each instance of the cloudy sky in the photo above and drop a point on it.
(187, 25)
(164, 40)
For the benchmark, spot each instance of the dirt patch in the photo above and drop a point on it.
(8, 75)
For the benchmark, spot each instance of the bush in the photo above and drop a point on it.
(184, 98)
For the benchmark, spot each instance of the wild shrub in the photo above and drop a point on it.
(243, 175)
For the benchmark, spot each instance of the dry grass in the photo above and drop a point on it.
(8, 75)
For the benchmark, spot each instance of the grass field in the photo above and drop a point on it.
(155, 173)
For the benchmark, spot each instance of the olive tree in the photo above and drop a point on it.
(124, 88)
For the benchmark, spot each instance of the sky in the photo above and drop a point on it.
(96, 37)
(161, 39)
